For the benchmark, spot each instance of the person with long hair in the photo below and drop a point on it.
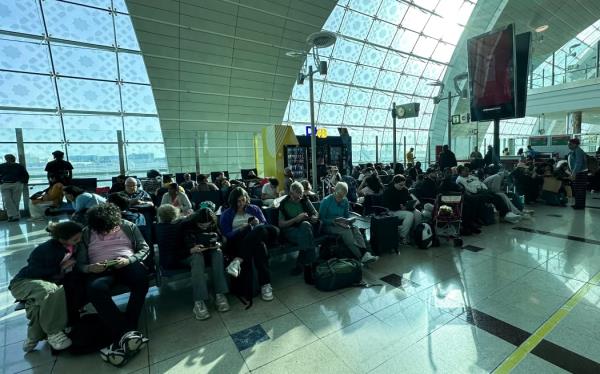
(203, 242)
(39, 286)
(111, 252)
(81, 201)
(248, 234)
(177, 198)
(51, 197)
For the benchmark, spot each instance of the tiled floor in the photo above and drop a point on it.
(420, 323)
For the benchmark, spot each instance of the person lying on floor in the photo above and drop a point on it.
(38, 285)
(111, 252)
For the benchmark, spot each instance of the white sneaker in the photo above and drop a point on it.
(266, 292)
(512, 218)
(29, 345)
(367, 258)
(59, 341)
(221, 302)
(234, 268)
(201, 311)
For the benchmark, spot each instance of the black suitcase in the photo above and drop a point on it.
(384, 234)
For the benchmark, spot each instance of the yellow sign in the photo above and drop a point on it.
(322, 133)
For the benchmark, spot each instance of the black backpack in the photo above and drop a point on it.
(89, 334)
(338, 273)
(423, 236)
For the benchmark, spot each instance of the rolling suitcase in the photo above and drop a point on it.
(384, 234)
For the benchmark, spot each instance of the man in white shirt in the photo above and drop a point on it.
(494, 183)
(477, 188)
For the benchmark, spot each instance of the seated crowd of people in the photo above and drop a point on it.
(104, 244)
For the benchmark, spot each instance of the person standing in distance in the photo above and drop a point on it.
(59, 168)
(578, 165)
(12, 178)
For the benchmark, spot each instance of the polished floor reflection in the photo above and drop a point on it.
(443, 310)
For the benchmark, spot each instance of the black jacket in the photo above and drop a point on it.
(393, 198)
(447, 160)
(44, 262)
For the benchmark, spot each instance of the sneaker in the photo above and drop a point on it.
(510, 217)
(266, 292)
(114, 354)
(29, 345)
(201, 311)
(132, 342)
(234, 268)
(367, 258)
(59, 341)
(221, 302)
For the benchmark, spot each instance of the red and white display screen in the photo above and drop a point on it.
(491, 62)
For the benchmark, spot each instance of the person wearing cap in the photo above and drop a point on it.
(59, 168)
(578, 166)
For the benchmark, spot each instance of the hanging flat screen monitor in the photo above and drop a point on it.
(523, 49)
(491, 65)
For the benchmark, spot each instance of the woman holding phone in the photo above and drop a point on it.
(248, 233)
(111, 252)
(202, 242)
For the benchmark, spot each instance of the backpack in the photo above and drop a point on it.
(337, 273)
(423, 236)
(89, 334)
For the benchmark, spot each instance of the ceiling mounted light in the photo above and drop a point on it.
(295, 53)
(542, 28)
(321, 39)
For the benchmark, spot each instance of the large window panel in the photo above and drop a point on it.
(24, 55)
(37, 155)
(142, 129)
(365, 76)
(341, 72)
(382, 33)
(82, 94)
(125, 33)
(21, 16)
(356, 25)
(138, 99)
(99, 160)
(143, 157)
(348, 50)
(75, 22)
(359, 96)
(84, 62)
(355, 116)
(37, 127)
(331, 114)
(92, 128)
(392, 11)
(132, 68)
(335, 94)
(26, 90)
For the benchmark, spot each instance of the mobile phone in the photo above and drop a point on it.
(111, 263)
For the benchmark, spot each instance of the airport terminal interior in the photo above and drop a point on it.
(299, 186)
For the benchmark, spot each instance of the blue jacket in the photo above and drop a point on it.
(226, 221)
(577, 160)
(331, 209)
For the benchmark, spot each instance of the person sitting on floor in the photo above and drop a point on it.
(81, 201)
(202, 242)
(396, 198)
(52, 197)
(299, 223)
(427, 187)
(334, 213)
(111, 252)
(178, 199)
(479, 190)
(551, 189)
(38, 285)
(248, 235)
(269, 192)
(495, 184)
